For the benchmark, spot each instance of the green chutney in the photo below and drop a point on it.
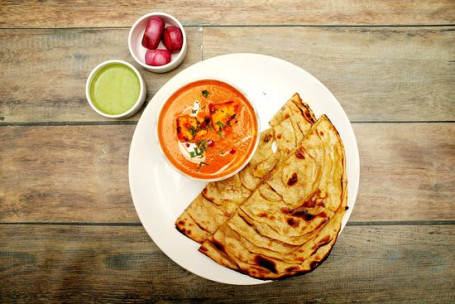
(115, 88)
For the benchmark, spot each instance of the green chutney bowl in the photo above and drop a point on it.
(115, 89)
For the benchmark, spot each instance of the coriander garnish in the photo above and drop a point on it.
(221, 125)
(205, 93)
(200, 165)
(192, 130)
(196, 152)
(202, 144)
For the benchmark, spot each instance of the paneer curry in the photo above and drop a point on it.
(208, 129)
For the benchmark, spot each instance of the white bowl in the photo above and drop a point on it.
(225, 176)
(138, 51)
(136, 106)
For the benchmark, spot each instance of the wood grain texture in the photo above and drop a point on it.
(377, 74)
(104, 13)
(80, 173)
(66, 173)
(44, 72)
(407, 171)
(392, 264)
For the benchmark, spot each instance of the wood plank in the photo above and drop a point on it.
(66, 58)
(66, 173)
(377, 74)
(407, 171)
(80, 173)
(121, 264)
(191, 12)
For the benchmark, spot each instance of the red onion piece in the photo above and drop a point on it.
(157, 57)
(153, 33)
(173, 38)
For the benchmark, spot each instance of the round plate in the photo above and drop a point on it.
(160, 194)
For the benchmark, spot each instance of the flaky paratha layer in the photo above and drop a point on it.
(291, 227)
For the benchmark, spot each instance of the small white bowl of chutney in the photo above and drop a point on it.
(115, 89)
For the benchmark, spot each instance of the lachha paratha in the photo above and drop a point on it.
(290, 223)
(280, 216)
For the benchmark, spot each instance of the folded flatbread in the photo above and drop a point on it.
(218, 201)
(290, 222)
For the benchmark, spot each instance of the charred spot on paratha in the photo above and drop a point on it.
(299, 155)
(293, 180)
(292, 222)
(267, 138)
(218, 245)
(266, 263)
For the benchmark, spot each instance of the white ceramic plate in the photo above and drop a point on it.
(160, 194)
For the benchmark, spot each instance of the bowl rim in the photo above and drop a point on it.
(247, 160)
(137, 104)
(169, 66)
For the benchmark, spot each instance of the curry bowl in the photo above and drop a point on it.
(208, 130)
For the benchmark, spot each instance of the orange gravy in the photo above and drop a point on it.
(207, 129)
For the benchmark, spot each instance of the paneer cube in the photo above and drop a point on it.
(186, 128)
(221, 114)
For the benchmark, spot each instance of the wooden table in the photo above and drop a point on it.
(68, 228)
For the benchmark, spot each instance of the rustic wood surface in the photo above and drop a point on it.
(102, 263)
(68, 228)
(104, 13)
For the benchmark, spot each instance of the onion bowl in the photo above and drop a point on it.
(138, 51)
